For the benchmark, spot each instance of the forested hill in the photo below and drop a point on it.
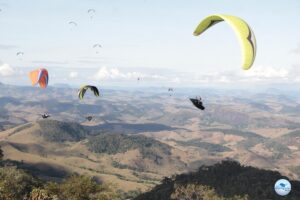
(224, 181)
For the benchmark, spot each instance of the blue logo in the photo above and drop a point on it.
(283, 187)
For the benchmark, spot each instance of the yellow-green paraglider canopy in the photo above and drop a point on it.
(84, 88)
(242, 30)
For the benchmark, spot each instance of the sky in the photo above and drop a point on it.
(150, 39)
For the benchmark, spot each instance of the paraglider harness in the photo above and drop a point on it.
(45, 116)
(89, 118)
(198, 103)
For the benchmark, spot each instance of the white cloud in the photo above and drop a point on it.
(297, 49)
(102, 73)
(73, 75)
(256, 74)
(267, 72)
(6, 70)
(105, 73)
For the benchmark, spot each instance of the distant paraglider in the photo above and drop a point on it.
(89, 118)
(170, 90)
(197, 103)
(20, 54)
(39, 76)
(97, 47)
(72, 24)
(84, 88)
(45, 115)
(242, 30)
(91, 13)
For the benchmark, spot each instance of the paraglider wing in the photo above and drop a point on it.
(43, 78)
(96, 45)
(242, 30)
(197, 104)
(83, 90)
(34, 76)
(73, 23)
(39, 76)
(96, 91)
(20, 53)
(91, 11)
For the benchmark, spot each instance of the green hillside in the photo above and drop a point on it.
(120, 143)
(57, 131)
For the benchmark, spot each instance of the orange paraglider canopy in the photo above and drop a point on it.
(33, 75)
(39, 76)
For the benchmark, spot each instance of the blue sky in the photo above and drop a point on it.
(150, 39)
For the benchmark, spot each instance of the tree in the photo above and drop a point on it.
(41, 194)
(80, 187)
(1, 154)
(199, 192)
(15, 184)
